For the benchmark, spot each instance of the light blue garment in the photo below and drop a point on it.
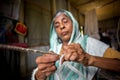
(55, 45)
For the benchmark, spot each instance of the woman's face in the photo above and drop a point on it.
(63, 26)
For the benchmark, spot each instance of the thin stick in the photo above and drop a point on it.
(20, 48)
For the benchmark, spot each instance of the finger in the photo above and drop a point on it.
(67, 56)
(47, 59)
(49, 69)
(69, 51)
(80, 51)
(71, 44)
(81, 58)
(49, 53)
(73, 57)
(65, 47)
(68, 46)
(40, 75)
(74, 45)
(43, 66)
(49, 73)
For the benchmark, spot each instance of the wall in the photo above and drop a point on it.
(108, 24)
(10, 8)
(37, 18)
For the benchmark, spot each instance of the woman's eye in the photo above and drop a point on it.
(65, 21)
(56, 25)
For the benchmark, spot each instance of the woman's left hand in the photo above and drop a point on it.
(74, 52)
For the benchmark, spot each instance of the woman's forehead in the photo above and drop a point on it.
(60, 15)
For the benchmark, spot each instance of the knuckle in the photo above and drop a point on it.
(53, 68)
(37, 60)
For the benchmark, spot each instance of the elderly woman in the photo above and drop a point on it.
(71, 56)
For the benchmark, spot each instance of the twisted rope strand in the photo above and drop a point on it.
(3, 46)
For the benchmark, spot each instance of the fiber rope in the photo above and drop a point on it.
(10, 47)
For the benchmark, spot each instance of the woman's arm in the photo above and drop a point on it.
(74, 52)
(110, 60)
(105, 63)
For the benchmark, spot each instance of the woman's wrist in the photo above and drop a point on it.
(90, 59)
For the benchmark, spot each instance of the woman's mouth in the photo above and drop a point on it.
(64, 33)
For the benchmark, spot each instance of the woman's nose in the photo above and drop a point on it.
(62, 26)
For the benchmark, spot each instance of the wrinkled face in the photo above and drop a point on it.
(63, 26)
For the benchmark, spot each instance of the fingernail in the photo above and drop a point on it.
(44, 71)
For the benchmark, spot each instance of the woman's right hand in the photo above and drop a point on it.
(46, 65)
